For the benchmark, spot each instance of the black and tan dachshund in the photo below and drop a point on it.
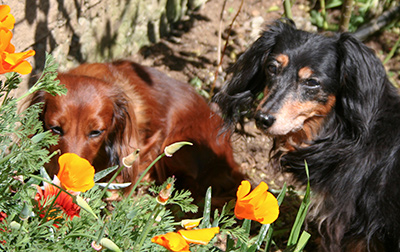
(327, 100)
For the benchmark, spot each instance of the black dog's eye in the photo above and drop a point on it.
(312, 83)
(95, 133)
(272, 69)
(57, 130)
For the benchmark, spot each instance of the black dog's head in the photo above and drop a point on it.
(303, 77)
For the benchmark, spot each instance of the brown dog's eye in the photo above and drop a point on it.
(57, 130)
(95, 133)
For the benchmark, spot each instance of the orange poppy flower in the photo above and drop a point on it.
(63, 203)
(7, 20)
(75, 173)
(172, 241)
(259, 205)
(9, 60)
(15, 62)
(180, 241)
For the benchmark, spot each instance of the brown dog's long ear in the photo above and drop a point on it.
(124, 137)
(248, 74)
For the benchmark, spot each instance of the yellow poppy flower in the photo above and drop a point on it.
(259, 205)
(199, 236)
(172, 241)
(75, 173)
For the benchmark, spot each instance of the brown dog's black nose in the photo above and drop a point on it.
(264, 121)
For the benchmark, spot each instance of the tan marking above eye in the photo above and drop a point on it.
(305, 73)
(283, 59)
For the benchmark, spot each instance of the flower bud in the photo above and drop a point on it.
(26, 212)
(164, 194)
(96, 246)
(107, 243)
(130, 159)
(172, 148)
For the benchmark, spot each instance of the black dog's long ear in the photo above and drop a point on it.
(248, 75)
(363, 80)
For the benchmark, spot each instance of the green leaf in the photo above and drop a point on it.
(301, 214)
(246, 225)
(260, 238)
(282, 194)
(101, 174)
(305, 236)
(38, 137)
(333, 4)
(83, 204)
(206, 223)
(230, 243)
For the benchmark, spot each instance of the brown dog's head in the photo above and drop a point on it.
(91, 121)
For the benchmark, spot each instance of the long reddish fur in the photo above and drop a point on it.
(141, 108)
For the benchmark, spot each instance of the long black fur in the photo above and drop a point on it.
(354, 158)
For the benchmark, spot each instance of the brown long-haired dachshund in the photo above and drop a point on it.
(112, 109)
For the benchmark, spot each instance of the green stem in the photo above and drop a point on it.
(50, 207)
(112, 179)
(144, 173)
(6, 158)
(80, 235)
(139, 242)
(11, 79)
(323, 12)
(391, 53)
(49, 182)
(288, 9)
(101, 233)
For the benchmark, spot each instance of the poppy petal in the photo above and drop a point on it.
(259, 204)
(199, 236)
(75, 173)
(172, 241)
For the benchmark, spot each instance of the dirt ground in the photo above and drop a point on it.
(191, 55)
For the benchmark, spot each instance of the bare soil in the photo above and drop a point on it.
(191, 54)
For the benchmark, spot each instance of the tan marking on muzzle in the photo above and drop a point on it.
(304, 118)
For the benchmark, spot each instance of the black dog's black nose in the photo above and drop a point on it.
(264, 121)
